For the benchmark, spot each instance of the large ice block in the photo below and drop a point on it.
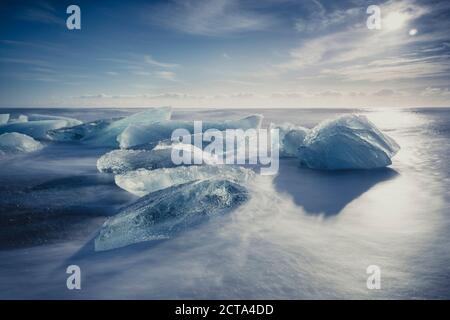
(143, 181)
(13, 142)
(105, 132)
(348, 142)
(165, 213)
(120, 161)
(136, 135)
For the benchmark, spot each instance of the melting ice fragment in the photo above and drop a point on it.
(120, 161)
(105, 132)
(164, 213)
(20, 119)
(80, 132)
(290, 137)
(4, 117)
(136, 135)
(143, 181)
(35, 129)
(11, 143)
(70, 121)
(348, 142)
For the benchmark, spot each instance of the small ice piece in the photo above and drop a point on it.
(79, 132)
(136, 135)
(348, 142)
(105, 132)
(4, 117)
(20, 119)
(35, 129)
(13, 142)
(291, 137)
(142, 181)
(121, 161)
(70, 121)
(165, 213)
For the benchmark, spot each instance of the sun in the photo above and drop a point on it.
(394, 21)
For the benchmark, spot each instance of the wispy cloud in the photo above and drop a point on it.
(215, 17)
(34, 62)
(358, 54)
(43, 13)
(149, 59)
(166, 75)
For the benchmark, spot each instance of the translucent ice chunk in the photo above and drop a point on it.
(120, 161)
(14, 142)
(290, 137)
(136, 135)
(142, 181)
(4, 117)
(80, 132)
(348, 142)
(164, 213)
(70, 121)
(20, 119)
(105, 132)
(35, 129)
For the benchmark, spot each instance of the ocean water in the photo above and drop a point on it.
(304, 234)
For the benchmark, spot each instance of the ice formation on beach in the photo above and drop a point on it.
(290, 137)
(105, 132)
(164, 213)
(4, 117)
(348, 142)
(120, 161)
(20, 119)
(137, 134)
(36, 129)
(38, 117)
(143, 181)
(11, 143)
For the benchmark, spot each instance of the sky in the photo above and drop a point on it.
(225, 54)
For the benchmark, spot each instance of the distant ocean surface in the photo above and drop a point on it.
(304, 234)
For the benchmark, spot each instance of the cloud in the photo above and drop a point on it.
(166, 75)
(320, 19)
(431, 91)
(329, 93)
(24, 61)
(148, 59)
(215, 17)
(395, 68)
(355, 53)
(43, 13)
(384, 93)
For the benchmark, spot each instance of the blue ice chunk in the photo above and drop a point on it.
(136, 135)
(164, 213)
(105, 132)
(4, 117)
(142, 181)
(20, 119)
(13, 143)
(290, 138)
(35, 129)
(123, 160)
(347, 142)
(37, 117)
